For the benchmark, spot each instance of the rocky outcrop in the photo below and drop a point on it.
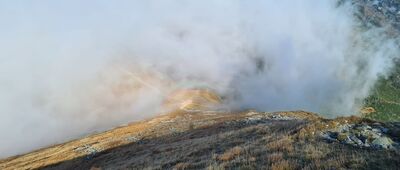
(361, 135)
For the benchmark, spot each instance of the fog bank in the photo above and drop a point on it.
(70, 68)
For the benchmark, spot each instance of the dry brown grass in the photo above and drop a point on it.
(192, 99)
(181, 166)
(312, 152)
(283, 165)
(211, 143)
(281, 145)
(275, 157)
(95, 168)
(231, 153)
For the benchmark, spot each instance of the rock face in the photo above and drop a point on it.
(361, 135)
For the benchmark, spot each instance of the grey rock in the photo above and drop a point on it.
(356, 140)
(382, 142)
(392, 9)
(361, 136)
(344, 128)
(327, 136)
(132, 139)
(384, 130)
(279, 117)
(376, 130)
(364, 127)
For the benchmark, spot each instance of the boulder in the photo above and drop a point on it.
(356, 140)
(382, 142)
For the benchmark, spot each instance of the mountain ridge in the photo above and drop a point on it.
(163, 142)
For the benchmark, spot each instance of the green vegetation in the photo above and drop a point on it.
(385, 99)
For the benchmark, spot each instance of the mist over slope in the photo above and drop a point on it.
(71, 68)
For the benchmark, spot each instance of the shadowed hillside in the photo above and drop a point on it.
(214, 140)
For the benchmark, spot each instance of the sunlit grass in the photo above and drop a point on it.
(385, 99)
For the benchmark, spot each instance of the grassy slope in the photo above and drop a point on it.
(385, 99)
(212, 140)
